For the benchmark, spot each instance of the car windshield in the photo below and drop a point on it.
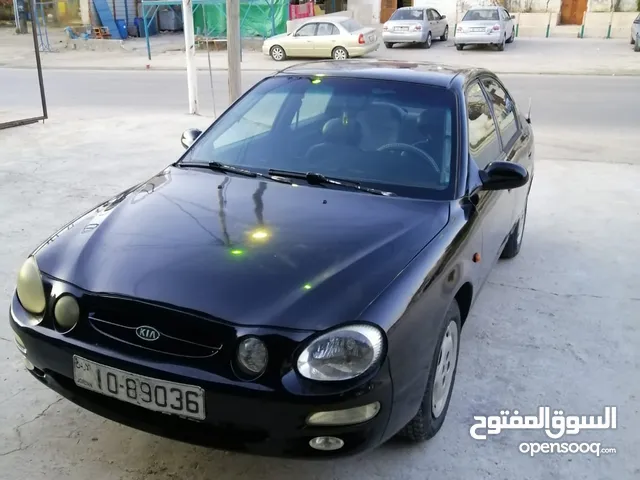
(351, 25)
(481, 15)
(391, 135)
(408, 14)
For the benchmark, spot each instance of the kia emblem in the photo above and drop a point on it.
(149, 334)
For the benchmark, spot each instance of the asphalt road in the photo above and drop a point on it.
(578, 114)
(557, 326)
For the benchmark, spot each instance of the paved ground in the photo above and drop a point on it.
(525, 55)
(557, 326)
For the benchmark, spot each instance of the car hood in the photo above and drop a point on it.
(243, 250)
(275, 38)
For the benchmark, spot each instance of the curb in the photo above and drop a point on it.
(599, 73)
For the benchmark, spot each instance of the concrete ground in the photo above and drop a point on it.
(526, 55)
(556, 326)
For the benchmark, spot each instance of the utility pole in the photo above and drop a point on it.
(234, 49)
(190, 50)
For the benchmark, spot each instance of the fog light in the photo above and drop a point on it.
(20, 345)
(349, 416)
(66, 312)
(252, 356)
(326, 443)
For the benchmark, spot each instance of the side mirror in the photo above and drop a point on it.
(442, 17)
(513, 17)
(189, 136)
(503, 176)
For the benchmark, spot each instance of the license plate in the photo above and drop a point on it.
(402, 29)
(478, 29)
(151, 393)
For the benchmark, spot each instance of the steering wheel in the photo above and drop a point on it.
(411, 149)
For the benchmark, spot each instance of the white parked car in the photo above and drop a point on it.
(324, 37)
(485, 26)
(415, 25)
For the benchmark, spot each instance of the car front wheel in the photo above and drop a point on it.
(459, 47)
(278, 53)
(445, 35)
(514, 242)
(442, 374)
(388, 44)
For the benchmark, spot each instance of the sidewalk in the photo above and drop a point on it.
(525, 55)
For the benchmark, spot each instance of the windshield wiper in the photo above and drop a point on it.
(221, 167)
(319, 179)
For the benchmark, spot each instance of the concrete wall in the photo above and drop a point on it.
(596, 24)
(293, 24)
(367, 12)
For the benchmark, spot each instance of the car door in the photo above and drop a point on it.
(433, 23)
(440, 23)
(326, 39)
(516, 141)
(494, 207)
(508, 23)
(302, 41)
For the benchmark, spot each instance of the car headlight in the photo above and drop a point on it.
(341, 354)
(29, 287)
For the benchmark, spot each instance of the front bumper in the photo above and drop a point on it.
(404, 37)
(241, 416)
(477, 38)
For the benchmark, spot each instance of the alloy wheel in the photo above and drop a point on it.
(445, 369)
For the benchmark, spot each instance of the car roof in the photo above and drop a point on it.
(488, 7)
(428, 73)
(325, 18)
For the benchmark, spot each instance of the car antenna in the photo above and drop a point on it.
(529, 112)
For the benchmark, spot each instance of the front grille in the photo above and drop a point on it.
(164, 343)
(177, 333)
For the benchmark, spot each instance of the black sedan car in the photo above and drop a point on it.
(296, 283)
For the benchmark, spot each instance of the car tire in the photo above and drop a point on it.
(427, 42)
(388, 44)
(501, 44)
(426, 423)
(278, 53)
(512, 37)
(514, 242)
(339, 53)
(445, 35)
(632, 41)
(459, 47)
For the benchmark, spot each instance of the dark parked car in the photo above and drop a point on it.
(296, 284)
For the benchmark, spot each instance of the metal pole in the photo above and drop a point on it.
(190, 52)
(548, 26)
(610, 22)
(584, 18)
(234, 49)
(43, 99)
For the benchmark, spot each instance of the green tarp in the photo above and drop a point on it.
(258, 18)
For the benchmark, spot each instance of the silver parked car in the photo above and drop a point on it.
(635, 30)
(415, 25)
(485, 26)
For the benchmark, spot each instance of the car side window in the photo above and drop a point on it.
(314, 103)
(327, 29)
(430, 15)
(436, 14)
(503, 109)
(484, 144)
(256, 121)
(308, 30)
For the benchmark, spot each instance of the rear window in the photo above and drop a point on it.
(351, 25)
(392, 135)
(407, 14)
(480, 15)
